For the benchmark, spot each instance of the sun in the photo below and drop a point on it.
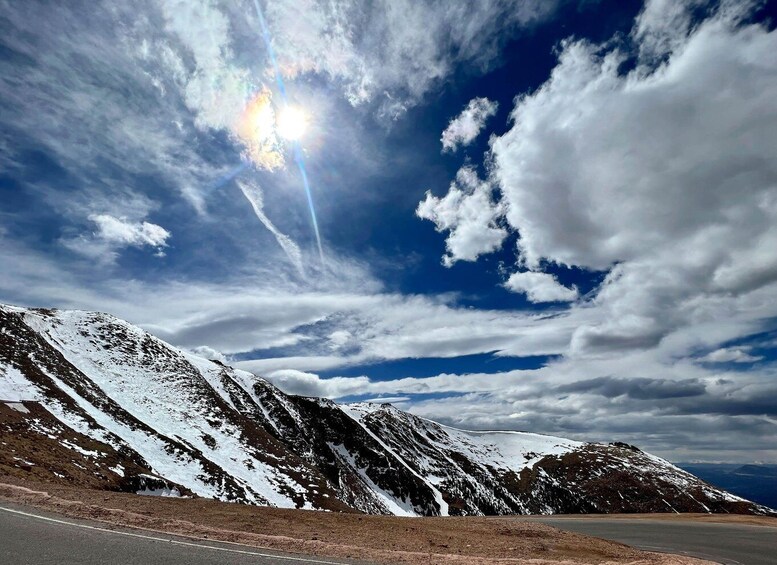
(292, 123)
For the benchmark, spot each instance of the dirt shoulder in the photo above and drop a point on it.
(379, 539)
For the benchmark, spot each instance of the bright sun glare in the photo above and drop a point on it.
(292, 123)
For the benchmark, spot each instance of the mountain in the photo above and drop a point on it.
(92, 400)
(756, 482)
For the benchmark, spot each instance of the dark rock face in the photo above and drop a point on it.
(101, 403)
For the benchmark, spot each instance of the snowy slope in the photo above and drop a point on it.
(172, 412)
(151, 412)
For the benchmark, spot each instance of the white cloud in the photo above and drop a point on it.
(309, 384)
(674, 161)
(464, 128)
(339, 338)
(662, 175)
(564, 398)
(469, 214)
(663, 26)
(253, 194)
(388, 399)
(223, 94)
(540, 287)
(268, 310)
(393, 51)
(666, 171)
(112, 234)
(209, 353)
(123, 233)
(730, 355)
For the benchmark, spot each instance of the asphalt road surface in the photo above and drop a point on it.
(38, 538)
(736, 544)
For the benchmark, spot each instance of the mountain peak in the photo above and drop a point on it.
(139, 414)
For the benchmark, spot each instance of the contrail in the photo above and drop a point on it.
(298, 156)
(253, 194)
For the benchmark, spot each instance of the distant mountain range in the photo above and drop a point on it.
(756, 482)
(88, 399)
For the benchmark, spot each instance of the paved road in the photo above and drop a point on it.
(38, 538)
(723, 543)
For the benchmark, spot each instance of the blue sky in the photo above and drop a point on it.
(557, 216)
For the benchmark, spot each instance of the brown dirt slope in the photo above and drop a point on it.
(381, 539)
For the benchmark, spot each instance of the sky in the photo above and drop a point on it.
(557, 216)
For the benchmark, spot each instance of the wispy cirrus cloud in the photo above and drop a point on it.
(392, 52)
(253, 194)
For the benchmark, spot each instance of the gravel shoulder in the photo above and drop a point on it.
(379, 539)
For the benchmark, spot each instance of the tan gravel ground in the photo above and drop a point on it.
(389, 540)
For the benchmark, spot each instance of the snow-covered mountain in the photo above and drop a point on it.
(92, 400)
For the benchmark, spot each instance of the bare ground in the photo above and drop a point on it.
(380, 539)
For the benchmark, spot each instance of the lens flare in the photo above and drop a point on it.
(292, 123)
(298, 156)
(256, 130)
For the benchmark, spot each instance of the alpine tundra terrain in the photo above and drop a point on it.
(92, 401)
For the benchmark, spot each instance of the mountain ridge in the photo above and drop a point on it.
(175, 421)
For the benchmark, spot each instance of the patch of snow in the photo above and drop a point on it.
(81, 450)
(395, 505)
(166, 492)
(169, 393)
(18, 406)
(355, 414)
(14, 386)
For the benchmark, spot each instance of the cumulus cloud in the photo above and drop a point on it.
(564, 169)
(469, 214)
(675, 186)
(464, 128)
(660, 175)
(338, 339)
(540, 287)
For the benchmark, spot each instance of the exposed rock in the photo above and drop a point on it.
(86, 398)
